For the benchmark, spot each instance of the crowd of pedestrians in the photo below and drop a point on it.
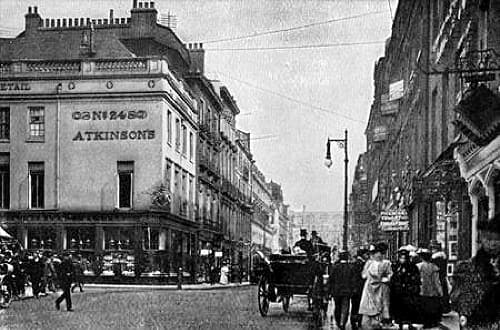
(380, 293)
(42, 271)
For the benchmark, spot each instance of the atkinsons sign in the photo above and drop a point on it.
(111, 135)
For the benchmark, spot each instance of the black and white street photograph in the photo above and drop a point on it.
(250, 164)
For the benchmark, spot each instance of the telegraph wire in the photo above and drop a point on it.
(309, 105)
(343, 44)
(294, 28)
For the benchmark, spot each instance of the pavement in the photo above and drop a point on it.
(201, 286)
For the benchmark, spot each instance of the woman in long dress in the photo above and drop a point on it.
(374, 300)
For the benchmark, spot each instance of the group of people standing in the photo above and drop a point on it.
(43, 271)
(411, 290)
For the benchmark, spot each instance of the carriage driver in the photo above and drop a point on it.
(304, 244)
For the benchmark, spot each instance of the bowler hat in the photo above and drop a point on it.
(303, 232)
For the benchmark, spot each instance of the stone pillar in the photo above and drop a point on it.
(162, 240)
(490, 190)
(475, 214)
(24, 237)
(63, 239)
(99, 238)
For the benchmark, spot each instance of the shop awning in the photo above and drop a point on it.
(479, 115)
(4, 234)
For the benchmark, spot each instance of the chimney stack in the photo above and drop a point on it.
(197, 56)
(143, 17)
(111, 16)
(33, 21)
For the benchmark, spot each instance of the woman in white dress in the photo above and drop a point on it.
(374, 306)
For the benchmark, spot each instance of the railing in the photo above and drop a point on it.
(122, 65)
(53, 66)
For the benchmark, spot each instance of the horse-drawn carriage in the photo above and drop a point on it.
(288, 275)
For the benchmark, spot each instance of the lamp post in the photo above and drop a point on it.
(342, 143)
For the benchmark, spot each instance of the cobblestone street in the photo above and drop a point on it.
(126, 309)
(132, 308)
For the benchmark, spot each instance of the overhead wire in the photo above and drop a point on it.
(294, 28)
(309, 105)
(342, 44)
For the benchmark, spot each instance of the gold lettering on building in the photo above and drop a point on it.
(15, 86)
(109, 115)
(114, 135)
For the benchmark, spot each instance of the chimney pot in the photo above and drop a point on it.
(52, 23)
(36, 9)
(64, 22)
(152, 4)
(117, 21)
(123, 20)
(82, 21)
(134, 4)
(70, 22)
(88, 21)
(58, 22)
(111, 16)
(140, 4)
(99, 21)
(75, 21)
(105, 21)
(201, 45)
(146, 5)
(29, 10)
(47, 22)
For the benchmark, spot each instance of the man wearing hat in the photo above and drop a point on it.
(340, 284)
(65, 277)
(304, 244)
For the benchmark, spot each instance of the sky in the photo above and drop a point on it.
(292, 99)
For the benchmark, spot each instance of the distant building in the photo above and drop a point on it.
(327, 224)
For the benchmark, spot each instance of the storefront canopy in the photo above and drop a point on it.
(479, 115)
(4, 234)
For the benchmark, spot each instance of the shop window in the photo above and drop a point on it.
(125, 184)
(4, 186)
(37, 122)
(36, 182)
(119, 238)
(41, 238)
(4, 123)
(169, 127)
(151, 239)
(82, 238)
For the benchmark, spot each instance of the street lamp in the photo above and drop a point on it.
(342, 143)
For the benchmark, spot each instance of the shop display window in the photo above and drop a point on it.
(82, 238)
(42, 238)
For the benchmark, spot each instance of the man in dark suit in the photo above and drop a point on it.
(341, 283)
(65, 277)
(304, 244)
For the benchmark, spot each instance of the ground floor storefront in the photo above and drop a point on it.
(113, 247)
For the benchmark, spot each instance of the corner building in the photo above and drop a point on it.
(98, 143)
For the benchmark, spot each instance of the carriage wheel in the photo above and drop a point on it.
(263, 297)
(286, 303)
